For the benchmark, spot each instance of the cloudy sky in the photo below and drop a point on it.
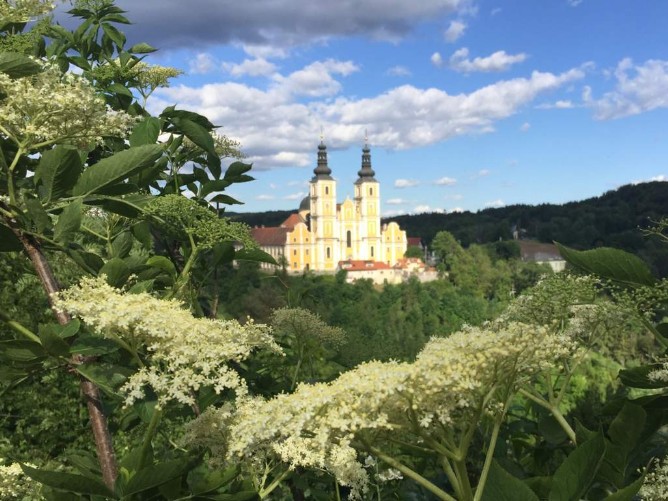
(467, 104)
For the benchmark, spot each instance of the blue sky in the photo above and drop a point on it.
(467, 104)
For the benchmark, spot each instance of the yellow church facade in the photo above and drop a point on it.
(324, 233)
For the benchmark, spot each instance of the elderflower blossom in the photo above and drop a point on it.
(50, 107)
(186, 353)
(16, 486)
(324, 425)
(655, 486)
(659, 375)
(22, 11)
(179, 216)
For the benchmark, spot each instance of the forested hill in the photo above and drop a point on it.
(613, 220)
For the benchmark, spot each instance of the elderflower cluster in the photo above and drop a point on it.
(655, 487)
(22, 11)
(325, 425)
(180, 216)
(49, 107)
(186, 353)
(300, 322)
(15, 486)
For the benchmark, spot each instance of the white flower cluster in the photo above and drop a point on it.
(186, 353)
(325, 425)
(659, 375)
(50, 107)
(15, 486)
(655, 487)
(22, 11)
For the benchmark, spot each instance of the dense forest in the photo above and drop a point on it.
(144, 355)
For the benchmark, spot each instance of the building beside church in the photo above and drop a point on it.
(323, 233)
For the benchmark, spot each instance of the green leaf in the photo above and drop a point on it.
(117, 88)
(87, 260)
(236, 169)
(198, 134)
(626, 428)
(156, 475)
(116, 168)
(8, 241)
(67, 481)
(122, 244)
(202, 480)
(116, 271)
(128, 206)
(142, 48)
(18, 65)
(257, 255)
(577, 472)
(142, 232)
(627, 493)
(145, 132)
(21, 351)
(502, 486)
(93, 345)
(637, 377)
(57, 172)
(162, 263)
(614, 264)
(69, 222)
(114, 34)
(172, 113)
(225, 199)
(108, 377)
(38, 215)
(53, 343)
(223, 253)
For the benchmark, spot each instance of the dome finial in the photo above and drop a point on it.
(322, 171)
(366, 173)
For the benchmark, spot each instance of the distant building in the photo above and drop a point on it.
(323, 233)
(380, 273)
(542, 253)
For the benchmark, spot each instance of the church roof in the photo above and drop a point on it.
(366, 173)
(292, 221)
(305, 204)
(322, 171)
(362, 265)
(270, 236)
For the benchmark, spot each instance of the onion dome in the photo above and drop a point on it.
(366, 173)
(305, 204)
(322, 171)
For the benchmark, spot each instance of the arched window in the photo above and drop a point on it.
(372, 251)
(349, 239)
(326, 190)
(371, 191)
(329, 254)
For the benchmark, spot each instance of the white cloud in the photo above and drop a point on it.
(426, 208)
(203, 63)
(454, 31)
(525, 127)
(574, 3)
(498, 61)
(405, 183)
(398, 71)
(454, 196)
(436, 59)
(559, 105)
(286, 117)
(639, 88)
(446, 181)
(396, 201)
(316, 79)
(295, 196)
(495, 203)
(456, 209)
(660, 177)
(495, 11)
(264, 197)
(258, 67)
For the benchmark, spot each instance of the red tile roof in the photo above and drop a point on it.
(362, 265)
(292, 221)
(414, 242)
(270, 236)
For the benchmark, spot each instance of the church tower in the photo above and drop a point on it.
(367, 201)
(324, 225)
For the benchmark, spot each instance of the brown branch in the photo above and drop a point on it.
(91, 393)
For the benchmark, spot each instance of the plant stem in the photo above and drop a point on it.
(148, 437)
(488, 459)
(276, 482)
(413, 475)
(91, 393)
(554, 411)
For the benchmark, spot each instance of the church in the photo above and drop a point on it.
(325, 235)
